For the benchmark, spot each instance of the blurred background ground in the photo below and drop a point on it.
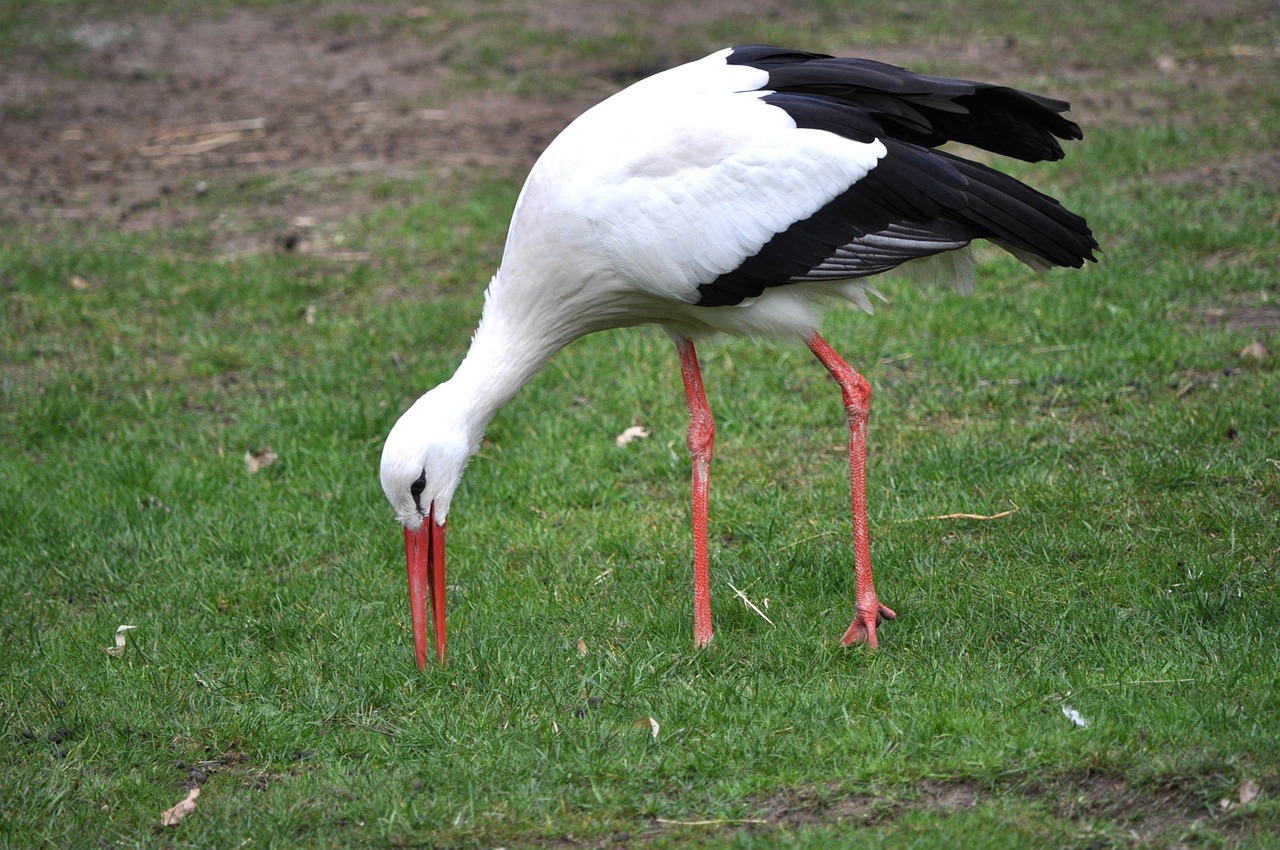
(127, 117)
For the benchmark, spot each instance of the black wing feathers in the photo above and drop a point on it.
(916, 201)
(897, 212)
(995, 118)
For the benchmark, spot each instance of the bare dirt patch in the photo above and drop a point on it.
(1252, 318)
(1261, 170)
(157, 104)
(1099, 805)
(142, 112)
(131, 122)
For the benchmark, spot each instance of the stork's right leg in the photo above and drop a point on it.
(702, 437)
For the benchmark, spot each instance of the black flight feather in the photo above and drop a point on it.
(917, 201)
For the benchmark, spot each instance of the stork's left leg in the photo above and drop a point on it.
(856, 393)
(702, 439)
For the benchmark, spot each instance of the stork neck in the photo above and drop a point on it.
(503, 357)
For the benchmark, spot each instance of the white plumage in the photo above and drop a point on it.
(667, 185)
(738, 194)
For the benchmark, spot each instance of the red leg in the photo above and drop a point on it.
(702, 437)
(857, 405)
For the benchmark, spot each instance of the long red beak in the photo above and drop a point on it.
(424, 555)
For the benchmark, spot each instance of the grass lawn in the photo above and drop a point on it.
(1116, 413)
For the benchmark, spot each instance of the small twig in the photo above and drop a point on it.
(192, 148)
(750, 604)
(811, 536)
(716, 822)
(1146, 682)
(1051, 349)
(360, 167)
(1000, 515)
(215, 128)
(897, 358)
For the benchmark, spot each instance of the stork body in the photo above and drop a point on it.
(738, 194)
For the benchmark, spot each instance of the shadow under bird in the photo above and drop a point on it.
(741, 194)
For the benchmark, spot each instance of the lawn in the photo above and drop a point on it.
(1115, 430)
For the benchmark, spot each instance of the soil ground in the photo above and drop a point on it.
(135, 116)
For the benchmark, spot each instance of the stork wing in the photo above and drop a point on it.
(757, 167)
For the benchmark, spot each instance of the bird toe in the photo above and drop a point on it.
(863, 627)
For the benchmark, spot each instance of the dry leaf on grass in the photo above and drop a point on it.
(1249, 791)
(1254, 351)
(582, 647)
(118, 650)
(185, 807)
(259, 458)
(651, 724)
(635, 432)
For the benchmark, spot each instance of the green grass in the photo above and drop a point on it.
(1137, 581)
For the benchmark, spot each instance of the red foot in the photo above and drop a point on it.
(863, 627)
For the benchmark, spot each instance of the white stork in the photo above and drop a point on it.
(737, 194)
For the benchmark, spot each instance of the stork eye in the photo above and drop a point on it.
(416, 488)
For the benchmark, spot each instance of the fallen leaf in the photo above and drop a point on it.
(1254, 351)
(259, 459)
(186, 806)
(635, 432)
(1075, 717)
(1249, 791)
(651, 724)
(78, 283)
(118, 650)
(582, 648)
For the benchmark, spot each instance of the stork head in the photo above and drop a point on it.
(422, 463)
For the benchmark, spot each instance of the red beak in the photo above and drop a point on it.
(424, 554)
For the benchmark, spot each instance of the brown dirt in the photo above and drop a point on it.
(142, 112)
(1096, 804)
(157, 104)
(127, 123)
